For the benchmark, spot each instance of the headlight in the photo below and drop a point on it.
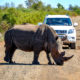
(71, 31)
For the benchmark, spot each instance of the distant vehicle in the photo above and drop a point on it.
(63, 26)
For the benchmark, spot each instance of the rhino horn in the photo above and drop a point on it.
(67, 58)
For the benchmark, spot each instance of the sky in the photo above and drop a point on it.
(53, 3)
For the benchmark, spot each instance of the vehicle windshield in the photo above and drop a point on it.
(59, 21)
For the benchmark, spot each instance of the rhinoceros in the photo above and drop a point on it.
(33, 38)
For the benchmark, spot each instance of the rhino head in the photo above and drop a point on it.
(59, 57)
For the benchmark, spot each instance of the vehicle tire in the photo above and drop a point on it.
(73, 46)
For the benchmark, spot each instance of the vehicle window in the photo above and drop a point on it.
(59, 21)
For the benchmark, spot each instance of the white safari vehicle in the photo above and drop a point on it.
(64, 28)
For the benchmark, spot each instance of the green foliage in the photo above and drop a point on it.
(35, 13)
(37, 6)
(29, 3)
(20, 7)
(4, 26)
(75, 9)
(60, 6)
(10, 16)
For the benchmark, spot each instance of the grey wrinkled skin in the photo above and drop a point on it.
(33, 38)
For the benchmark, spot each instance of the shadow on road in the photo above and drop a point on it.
(15, 64)
(22, 64)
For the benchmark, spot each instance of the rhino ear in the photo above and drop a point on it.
(67, 58)
(62, 53)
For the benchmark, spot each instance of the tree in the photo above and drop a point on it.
(37, 6)
(12, 4)
(60, 6)
(0, 7)
(20, 6)
(6, 5)
(74, 8)
(29, 3)
(48, 7)
(4, 26)
(70, 7)
(10, 16)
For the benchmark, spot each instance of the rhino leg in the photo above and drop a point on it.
(36, 55)
(48, 57)
(6, 58)
(9, 54)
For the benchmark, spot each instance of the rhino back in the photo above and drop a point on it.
(27, 37)
(22, 36)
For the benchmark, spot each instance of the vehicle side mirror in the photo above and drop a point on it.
(75, 24)
(40, 23)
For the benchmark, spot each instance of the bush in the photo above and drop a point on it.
(4, 26)
(11, 16)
